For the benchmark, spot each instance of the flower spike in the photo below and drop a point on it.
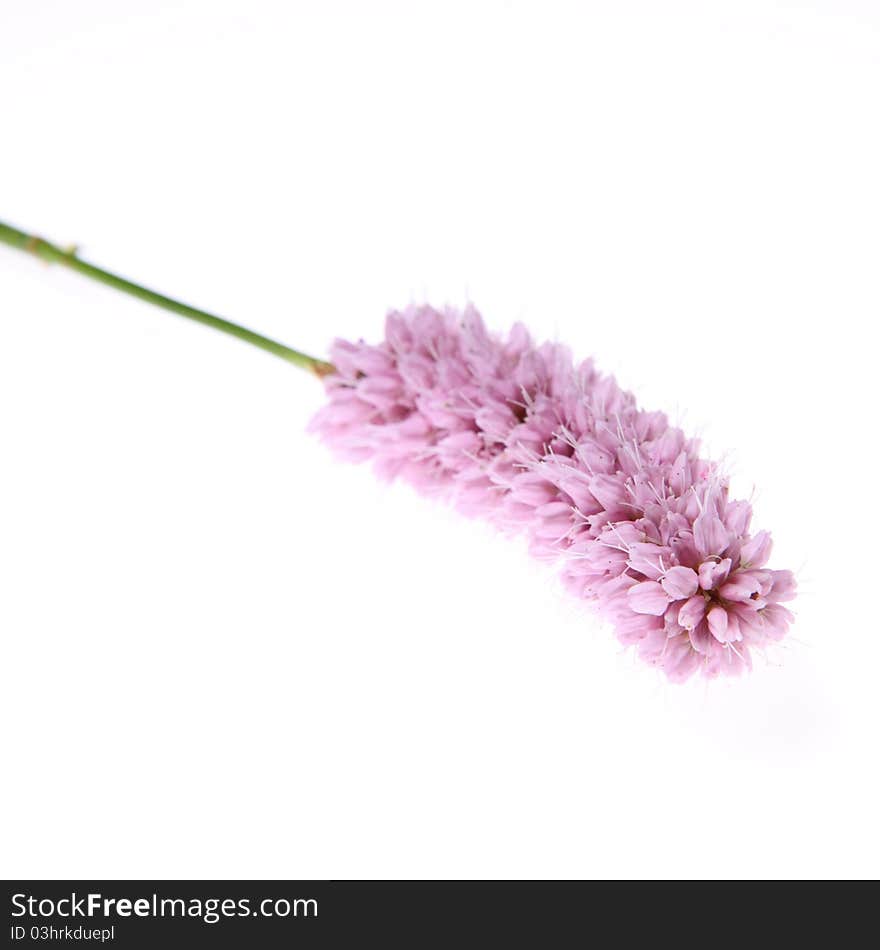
(519, 434)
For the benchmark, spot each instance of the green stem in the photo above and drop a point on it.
(68, 257)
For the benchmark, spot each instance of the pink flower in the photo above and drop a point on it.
(519, 434)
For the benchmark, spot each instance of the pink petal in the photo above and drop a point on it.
(692, 612)
(680, 660)
(680, 582)
(776, 620)
(648, 559)
(648, 598)
(756, 551)
(734, 634)
(608, 490)
(701, 639)
(717, 618)
(784, 586)
(747, 586)
(748, 618)
(710, 535)
(713, 573)
(650, 647)
(737, 517)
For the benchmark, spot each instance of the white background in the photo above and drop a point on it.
(225, 654)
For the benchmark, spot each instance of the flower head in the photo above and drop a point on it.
(521, 435)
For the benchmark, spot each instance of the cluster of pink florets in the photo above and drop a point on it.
(519, 434)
